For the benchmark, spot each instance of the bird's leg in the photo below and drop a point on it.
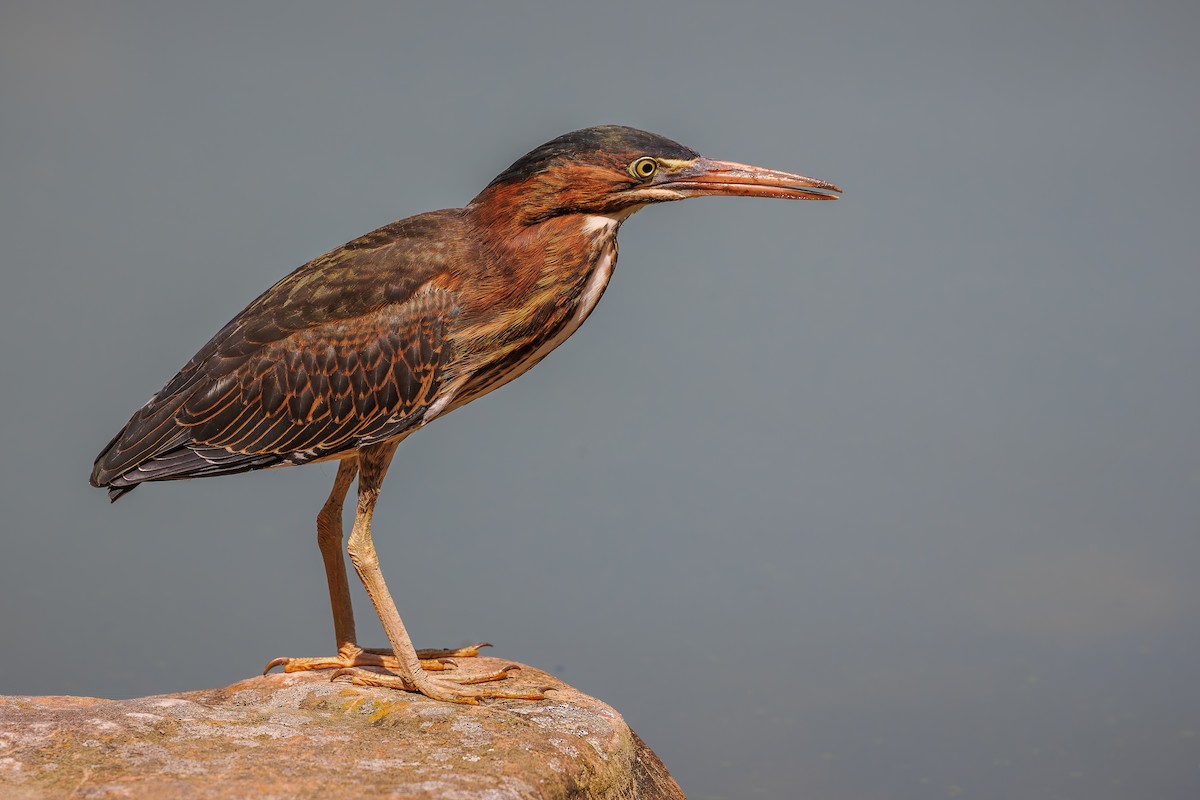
(407, 672)
(329, 539)
(349, 654)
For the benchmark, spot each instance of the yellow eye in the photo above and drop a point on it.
(644, 168)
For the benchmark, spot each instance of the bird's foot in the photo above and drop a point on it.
(350, 656)
(437, 688)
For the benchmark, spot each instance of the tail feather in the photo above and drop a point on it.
(187, 460)
(115, 493)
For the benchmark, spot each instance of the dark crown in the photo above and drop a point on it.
(578, 145)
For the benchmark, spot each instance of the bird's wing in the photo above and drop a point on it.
(347, 350)
(323, 388)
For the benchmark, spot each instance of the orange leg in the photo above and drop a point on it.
(405, 668)
(408, 671)
(349, 654)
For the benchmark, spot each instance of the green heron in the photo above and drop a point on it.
(355, 350)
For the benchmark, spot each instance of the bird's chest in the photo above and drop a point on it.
(575, 306)
(548, 312)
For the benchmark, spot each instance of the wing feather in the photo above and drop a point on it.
(349, 348)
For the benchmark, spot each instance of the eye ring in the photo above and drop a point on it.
(644, 168)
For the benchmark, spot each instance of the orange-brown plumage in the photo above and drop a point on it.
(353, 351)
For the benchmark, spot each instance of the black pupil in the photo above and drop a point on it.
(645, 168)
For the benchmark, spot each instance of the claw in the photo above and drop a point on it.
(273, 663)
(487, 677)
(461, 652)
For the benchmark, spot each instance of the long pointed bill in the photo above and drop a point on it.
(705, 176)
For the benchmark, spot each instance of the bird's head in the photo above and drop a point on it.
(614, 170)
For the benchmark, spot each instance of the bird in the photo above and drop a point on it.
(354, 351)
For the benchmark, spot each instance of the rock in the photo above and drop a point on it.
(301, 736)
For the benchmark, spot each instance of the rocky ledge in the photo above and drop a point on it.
(301, 736)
